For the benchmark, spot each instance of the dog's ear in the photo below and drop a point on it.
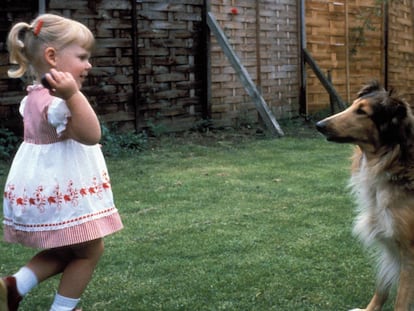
(390, 121)
(373, 86)
(397, 109)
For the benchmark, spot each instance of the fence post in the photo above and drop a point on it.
(331, 98)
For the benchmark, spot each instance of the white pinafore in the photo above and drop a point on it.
(58, 191)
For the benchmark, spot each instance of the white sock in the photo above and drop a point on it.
(25, 280)
(62, 303)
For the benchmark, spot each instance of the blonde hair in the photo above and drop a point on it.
(26, 42)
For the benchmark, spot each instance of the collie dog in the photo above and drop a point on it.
(381, 126)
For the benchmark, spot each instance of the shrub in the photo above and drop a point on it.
(9, 143)
(115, 143)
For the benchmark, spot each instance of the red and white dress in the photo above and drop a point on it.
(58, 191)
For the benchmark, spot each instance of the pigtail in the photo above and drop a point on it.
(26, 42)
(16, 47)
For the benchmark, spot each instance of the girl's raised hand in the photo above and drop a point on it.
(62, 84)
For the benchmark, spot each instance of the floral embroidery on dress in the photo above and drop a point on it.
(39, 199)
(72, 195)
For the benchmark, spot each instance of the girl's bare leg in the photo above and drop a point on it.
(76, 263)
(49, 262)
(79, 270)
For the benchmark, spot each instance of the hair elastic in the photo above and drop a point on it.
(38, 27)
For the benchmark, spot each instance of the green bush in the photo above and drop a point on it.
(9, 143)
(115, 143)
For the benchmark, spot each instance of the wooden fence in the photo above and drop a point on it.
(157, 65)
(152, 66)
(265, 36)
(360, 40)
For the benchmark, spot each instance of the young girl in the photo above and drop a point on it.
(58, 194)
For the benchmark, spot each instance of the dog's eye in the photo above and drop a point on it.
(360, 111)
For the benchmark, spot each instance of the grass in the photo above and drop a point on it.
(219, 223)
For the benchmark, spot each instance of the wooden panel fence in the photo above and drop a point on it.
(157, 74)
(150, 64)
(360, 40)
(401, 48)
(264, 34)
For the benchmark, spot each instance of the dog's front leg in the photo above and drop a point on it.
(405, 294)
(376, 302)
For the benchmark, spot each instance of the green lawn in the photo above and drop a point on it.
(226, 224)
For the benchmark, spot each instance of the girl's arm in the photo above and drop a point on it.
(83, 126)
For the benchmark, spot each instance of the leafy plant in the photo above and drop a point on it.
(115, 143)
(202, 125)
(366, 16)
(155, 127)
(8, 144)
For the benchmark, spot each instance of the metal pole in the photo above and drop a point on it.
(348, 87)
(258, 55)
(386, 38)
(303, 107)
(135, 62)
(206, 46)
(42, 6)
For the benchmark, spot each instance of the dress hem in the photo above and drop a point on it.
(88, 231)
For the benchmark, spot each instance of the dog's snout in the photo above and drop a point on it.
(321, 126)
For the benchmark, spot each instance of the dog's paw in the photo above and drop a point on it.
(357, 310)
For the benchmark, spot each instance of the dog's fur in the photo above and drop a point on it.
(382, 179)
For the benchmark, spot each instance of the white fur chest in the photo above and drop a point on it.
(375, 197)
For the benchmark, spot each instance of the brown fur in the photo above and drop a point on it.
(382, 179)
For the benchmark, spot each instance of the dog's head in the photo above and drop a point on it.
(376, 118)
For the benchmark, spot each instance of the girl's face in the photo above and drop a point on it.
(74, 59)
